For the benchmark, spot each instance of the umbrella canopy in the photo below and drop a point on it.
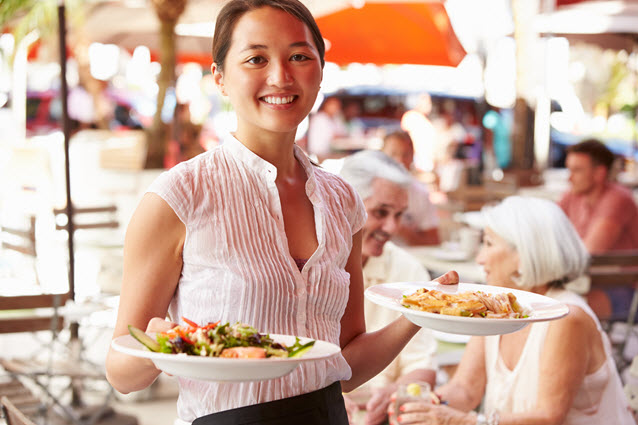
(129, 24)
(133, 23)
(610, 24)
(392, 33)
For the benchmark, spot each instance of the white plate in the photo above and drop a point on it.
(541, 308)
(218, 369)
(451, 338)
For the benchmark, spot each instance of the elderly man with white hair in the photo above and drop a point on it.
(383, 186)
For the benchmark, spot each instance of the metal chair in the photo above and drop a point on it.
(617, 269)
(12, 414)
(25, 307)
(21, 240)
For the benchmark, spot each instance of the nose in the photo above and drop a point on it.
(391, 225)
(480, 257)
(279, 74)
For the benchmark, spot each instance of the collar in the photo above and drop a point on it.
(253, 161)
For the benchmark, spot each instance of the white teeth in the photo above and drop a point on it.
(379, 237)
(273, 100)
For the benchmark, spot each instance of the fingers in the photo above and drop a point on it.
(449, 278)
(157, 324)
(415, 406)
(377, 413)
(414, 418)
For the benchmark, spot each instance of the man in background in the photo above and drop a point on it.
(326, 125)
(419, 224)
(603, 212)
(383, 186)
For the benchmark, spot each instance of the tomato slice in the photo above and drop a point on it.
(190, 322)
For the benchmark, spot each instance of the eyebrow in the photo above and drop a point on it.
(390, 206)
(263, 46)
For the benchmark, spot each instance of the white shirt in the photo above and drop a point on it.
(397, 265)
(237, 267)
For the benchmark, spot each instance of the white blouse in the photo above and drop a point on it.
(237, 266)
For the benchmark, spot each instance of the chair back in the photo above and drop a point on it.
(32, 313)
(94, 217)
(21, 240)
(614, 269)
(12, 414)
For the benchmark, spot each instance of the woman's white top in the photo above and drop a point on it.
(599, 400)
(237, 266)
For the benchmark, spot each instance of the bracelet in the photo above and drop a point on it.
(492, 419)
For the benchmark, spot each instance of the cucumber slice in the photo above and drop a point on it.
(301, 350)
(144, 339)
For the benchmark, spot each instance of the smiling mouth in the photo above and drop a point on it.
(279, 100)
(380, 237)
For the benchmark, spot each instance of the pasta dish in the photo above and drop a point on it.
(467, 304)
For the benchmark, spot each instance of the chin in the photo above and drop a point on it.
(373, 252)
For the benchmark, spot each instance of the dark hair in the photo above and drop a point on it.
(235, 9)
(399, 134)
(596, 150)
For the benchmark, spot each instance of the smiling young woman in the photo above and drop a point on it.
(253, 232)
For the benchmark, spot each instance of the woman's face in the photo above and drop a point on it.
(272, 72)
(499, 260)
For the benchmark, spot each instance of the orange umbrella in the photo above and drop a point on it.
(391, 33)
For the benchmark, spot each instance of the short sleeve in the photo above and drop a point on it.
(614, 206)
(359, 215)
(175, 187)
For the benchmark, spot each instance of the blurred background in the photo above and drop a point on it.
(506, 86)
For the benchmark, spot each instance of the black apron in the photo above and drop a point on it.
(321, 407)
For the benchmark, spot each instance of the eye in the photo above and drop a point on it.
(256, 60)
(380, 213)
(299, 57)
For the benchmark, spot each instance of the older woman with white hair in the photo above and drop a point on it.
(557, 372)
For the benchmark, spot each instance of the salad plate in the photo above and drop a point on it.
(226, 369)
(538, 307)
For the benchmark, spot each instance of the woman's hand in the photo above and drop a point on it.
(157, 324)
(351, 408)
(377, 406)
(425, 413)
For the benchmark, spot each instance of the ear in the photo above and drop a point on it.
(218, 77)
(600, 173)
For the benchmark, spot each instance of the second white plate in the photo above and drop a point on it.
(223, 369)
(541, 308)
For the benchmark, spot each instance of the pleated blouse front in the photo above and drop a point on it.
(237, 266)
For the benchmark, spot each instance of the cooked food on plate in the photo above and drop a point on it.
(215, 340)
(467, 304)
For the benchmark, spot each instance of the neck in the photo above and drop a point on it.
(275, 148)
(541, 290)
(596, 193)
(364, 260)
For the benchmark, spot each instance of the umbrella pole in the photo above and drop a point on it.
(66, 126)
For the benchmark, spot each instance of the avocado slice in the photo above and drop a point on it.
(144, 339)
